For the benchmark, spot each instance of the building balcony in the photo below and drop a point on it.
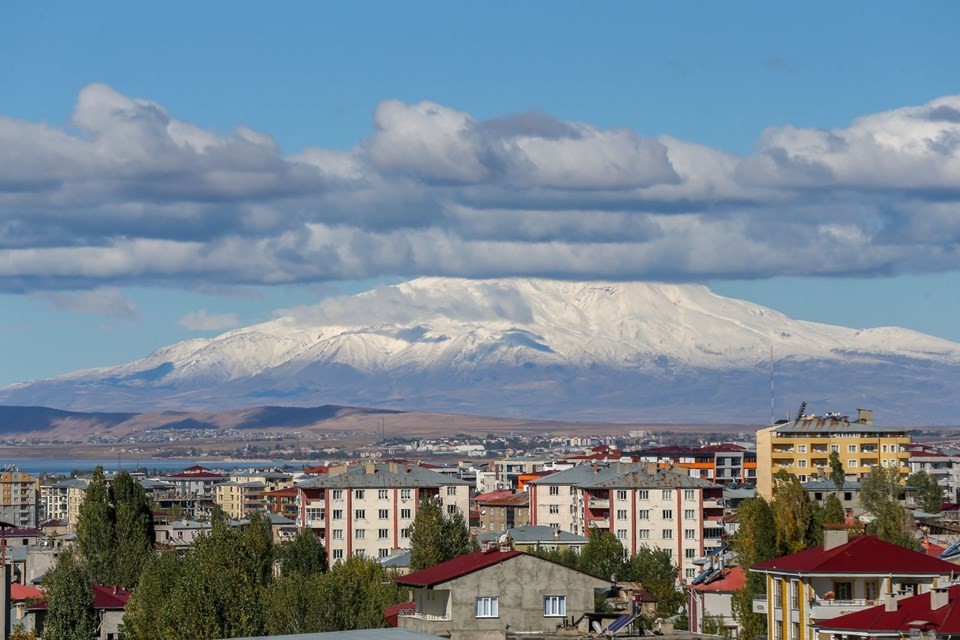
(599, 524)
(429, 617)
(598, 503)
(827, 609)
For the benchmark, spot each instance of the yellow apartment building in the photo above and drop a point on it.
(20, 501)
(803, 447)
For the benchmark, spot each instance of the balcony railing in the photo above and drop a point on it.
(425, 616)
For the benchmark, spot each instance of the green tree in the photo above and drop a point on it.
(602, 556)
(837, 475)
(257, 546)
(795, 516)
(303, 555)
(292, 604)
(928, 491)
(656, 571)
(21, 633)
(353, 595)
(879, 487)
(894, 524)
(96, 531)
(436, 538)
(714, 625)
(833, 511)
(70, 612)
(563, 556)
(133, 528)
(144, 617)
(755, 542)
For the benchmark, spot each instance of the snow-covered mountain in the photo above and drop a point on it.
(535, 348)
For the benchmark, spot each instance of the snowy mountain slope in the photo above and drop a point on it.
(533, 347)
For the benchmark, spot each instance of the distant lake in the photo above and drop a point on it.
(40, 466)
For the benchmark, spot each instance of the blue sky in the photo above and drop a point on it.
(171, 170)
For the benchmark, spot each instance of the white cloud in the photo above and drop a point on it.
(203, 321)
(102, 301)
(133, 195)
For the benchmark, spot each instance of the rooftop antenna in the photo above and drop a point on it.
(772, 414)
(802, 412)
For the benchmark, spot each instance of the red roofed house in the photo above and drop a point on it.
(935, 614)
(844, 575)
(489, 592)
(109, 603)
(714, 596)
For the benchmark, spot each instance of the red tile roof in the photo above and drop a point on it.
(945, 620)
(457, 567)
(103, 598)
(196, 474)
(731, 579)
(862, 554)
(492, 495)
(22, 592)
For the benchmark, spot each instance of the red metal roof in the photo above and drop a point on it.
(492, 495)
(731, 579)
(945, 620)
(196, 474)
(862, 554)
(459, 566)
(103, 598)
(22, 592)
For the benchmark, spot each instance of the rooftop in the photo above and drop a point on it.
(457, 567)
(911, 613)
(861, 555)
(383, 475)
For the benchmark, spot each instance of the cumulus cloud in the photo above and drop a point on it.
(102, 302)
(130, 194)
(203, 321)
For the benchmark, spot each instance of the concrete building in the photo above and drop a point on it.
(501, 511)
(485, 594)
(658, 508)
(942, 465)
(803, 448)
(239, 499)
(714, 597)
(367, 509)
(532, 538)
(722, 463)
(929, 616)
(19, 498)
(843, 575)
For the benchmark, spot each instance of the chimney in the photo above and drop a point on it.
(865, 416)
(939, 597)
(369, 467)
(833, 538)
(890, 603)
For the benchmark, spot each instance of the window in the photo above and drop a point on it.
(669, 552)
(668, 534)
(818, 496)
(689, 494)
(405, 514)
(643, 494)
(851, 448)
(452, 509)
(848, 496)
(621, 514)
(852, 462)
(360, 534)
(338, 494)
(404, 533)
(554, 491)
(644, 514)
(643, 534)
(843, 590)
(794, 595)
(689, 514)
(871, 589)
(554, 508)
(383, 494)
(777, 595)
(338, 554)
(382, 534)
(359, 514)
(451, 491)
(666, 494)
(621, 494)
(691, 573)
(554, 606)
(621, 534)
(315, 514)
(358, 494)
(383, 514)
(689, 553)
(835, 447)
(801, 448)
(405, 494)
(884, 448)
(383, 553)
(801, 462)
(668, 514)
(338, 514)
(338, 534)
(689, 534)
(488, 607)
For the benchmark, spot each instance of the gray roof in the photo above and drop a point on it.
(357, 634)
(383, 476)
(534, 534)
(658, 480)
(742, 494)
(817, 424)
(78, 483)
(397, 560)
(586, 473)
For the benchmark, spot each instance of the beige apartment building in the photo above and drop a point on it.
(803, 448)
(20, 501)
(239, 499)
(367, 509)
(641, 506)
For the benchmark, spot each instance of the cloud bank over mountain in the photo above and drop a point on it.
(127, 193)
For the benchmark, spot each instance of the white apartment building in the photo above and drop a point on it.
(368, 509)
(942, 465)
(658, 508)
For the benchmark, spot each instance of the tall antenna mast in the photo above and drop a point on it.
(773, 417)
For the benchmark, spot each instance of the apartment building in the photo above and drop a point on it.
(844, 575)
(502, 510)
(640, 505)
(19, 498)
(195, 480)
(942, 465)
(725, 463)
(803, 448)
(239, 499)
(367, 509)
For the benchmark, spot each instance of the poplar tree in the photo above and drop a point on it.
(754, 542)
(436, 538)
(602, 556)
(833, 512)
(133, 530)
(795, 516)
(928, 490)
(70, 612)
(304, 555)
(96, 531)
